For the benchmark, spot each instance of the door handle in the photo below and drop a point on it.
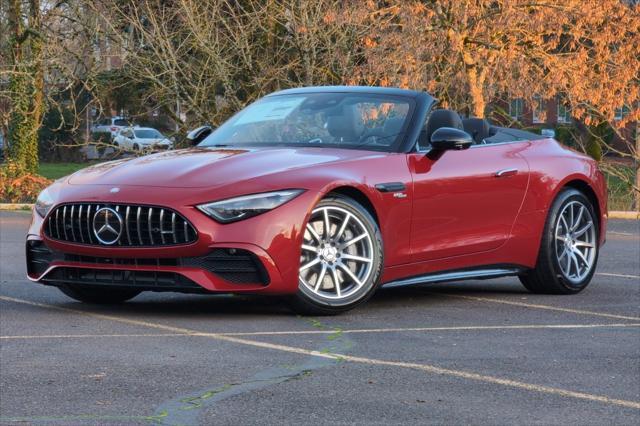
(506, 172)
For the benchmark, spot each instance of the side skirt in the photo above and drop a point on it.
(466, 274)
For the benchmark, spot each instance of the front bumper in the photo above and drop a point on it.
(257, 255)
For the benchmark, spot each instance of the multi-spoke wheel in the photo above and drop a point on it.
(575, 241)
(341, 257)
(569, 248)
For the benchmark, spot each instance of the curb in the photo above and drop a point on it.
(612, 214)
(624, 215)
(15, 206)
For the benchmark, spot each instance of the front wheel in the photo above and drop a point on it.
(341, 258)
(96, 295)
(569, 249)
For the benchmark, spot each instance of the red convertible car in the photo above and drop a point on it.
(325, 194)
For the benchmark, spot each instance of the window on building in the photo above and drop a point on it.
(622, 112)
(563, 113)
(539, 109)
(516, 108)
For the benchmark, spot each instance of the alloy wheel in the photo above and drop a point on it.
(337, 253)
(575, 241)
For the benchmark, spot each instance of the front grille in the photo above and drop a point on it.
(234, 265)
(142, 226)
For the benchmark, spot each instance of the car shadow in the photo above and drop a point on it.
(172, 305)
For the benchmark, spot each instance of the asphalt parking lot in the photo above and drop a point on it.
(475, 352)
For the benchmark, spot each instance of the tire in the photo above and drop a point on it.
(557, 258)
(136, 147)
(356, 266)
(98, 296)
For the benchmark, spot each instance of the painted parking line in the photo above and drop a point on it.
(88, 336)
(536, 306)
(608, 274)
(334, 331)
(624, 234)
(360, 360)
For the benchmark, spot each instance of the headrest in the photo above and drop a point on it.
(348, 126)
(442, 118)
(478, 128)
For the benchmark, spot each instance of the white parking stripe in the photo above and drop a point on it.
(88, 336)
(536, 306)
(334, 331)
(608, 274)
(361, 360)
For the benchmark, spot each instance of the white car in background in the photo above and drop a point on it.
(141, 138)
(111, 125)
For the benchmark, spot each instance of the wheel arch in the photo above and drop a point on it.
(587, 190)
(358, 196)
(585, 186)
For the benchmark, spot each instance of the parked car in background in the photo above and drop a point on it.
(110, 125)
(141, 138)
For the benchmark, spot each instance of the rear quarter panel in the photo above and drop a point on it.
(553, 167)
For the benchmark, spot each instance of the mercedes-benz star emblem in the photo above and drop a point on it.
(107, 226)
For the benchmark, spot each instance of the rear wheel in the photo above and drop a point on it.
(94, 295)
(341, 258)
(569, 249)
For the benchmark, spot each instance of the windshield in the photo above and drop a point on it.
(148, 134)
(344, 120)
(120, 122)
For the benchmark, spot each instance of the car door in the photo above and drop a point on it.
(465, 201)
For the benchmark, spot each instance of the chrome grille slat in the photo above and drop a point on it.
(186, 231)
(76, 220)
(138, 225)
(89, 231)
(80, 223)
(58, 223)
(73, 232)
(173, 227)
(126, 224)
(162, 230)
(150, 215)
(64, 222)
(121, 237)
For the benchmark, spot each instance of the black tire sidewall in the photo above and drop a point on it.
(308, 297)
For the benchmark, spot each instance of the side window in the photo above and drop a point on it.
(423, 143)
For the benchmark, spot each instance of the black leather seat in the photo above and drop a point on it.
(478, 128)
(441, 118)
(347, 126)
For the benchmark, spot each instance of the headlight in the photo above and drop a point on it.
(44, 202)
(247, 206)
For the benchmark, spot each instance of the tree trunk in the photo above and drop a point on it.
(476, 85)
(637, 163)
(26, 87)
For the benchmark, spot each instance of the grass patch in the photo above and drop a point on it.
(58, 170)
(621, 195)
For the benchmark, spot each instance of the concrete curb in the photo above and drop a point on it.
(612, 214)
(15, 206)
(624, 215)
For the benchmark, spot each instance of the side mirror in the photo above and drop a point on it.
(195, 136)
(446, 138)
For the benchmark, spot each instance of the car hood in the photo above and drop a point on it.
(207, 167)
